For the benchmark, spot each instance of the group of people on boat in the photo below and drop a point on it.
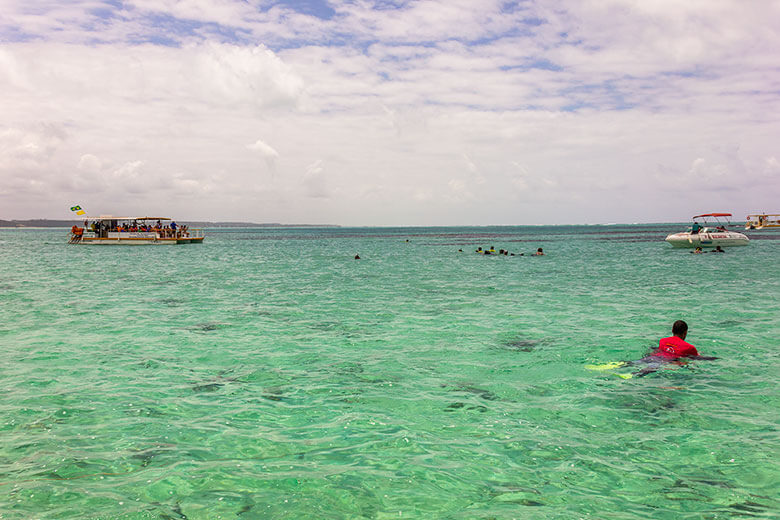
(100, 228)
(696, 227)
(503, 252)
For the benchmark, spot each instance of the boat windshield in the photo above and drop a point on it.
(708, 229)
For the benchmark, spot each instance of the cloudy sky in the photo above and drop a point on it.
(390, 112)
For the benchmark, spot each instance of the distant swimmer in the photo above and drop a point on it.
(539, 252)
(479, 250)
(697, 251)
(357, 257)
(717, 250)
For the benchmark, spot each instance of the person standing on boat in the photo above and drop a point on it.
(695, 228)
(173, 228)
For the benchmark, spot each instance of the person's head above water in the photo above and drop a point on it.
(680, 329)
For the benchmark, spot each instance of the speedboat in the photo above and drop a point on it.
(707, 234)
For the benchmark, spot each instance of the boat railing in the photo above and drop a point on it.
(132, 234)
(189, 233)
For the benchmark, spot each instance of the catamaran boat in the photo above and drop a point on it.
(704, 233)
(132, 231)
(762, 220)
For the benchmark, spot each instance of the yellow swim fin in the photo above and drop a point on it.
(607, 366)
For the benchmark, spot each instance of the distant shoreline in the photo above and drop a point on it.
(48, 223)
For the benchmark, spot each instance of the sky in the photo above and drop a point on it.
(390, 112)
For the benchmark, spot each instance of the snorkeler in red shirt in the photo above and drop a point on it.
(675, 346)
(669, 350)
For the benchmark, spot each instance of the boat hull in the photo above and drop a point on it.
(137, 242)
(691, 240)
(134, 239)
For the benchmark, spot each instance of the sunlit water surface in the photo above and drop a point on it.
(268, 374)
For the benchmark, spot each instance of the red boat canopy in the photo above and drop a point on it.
(714, 215)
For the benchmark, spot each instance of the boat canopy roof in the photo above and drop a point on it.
(713, 215)
(110, 217)
(763, 215)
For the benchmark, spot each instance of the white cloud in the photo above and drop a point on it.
(269, 154)
(246, 76)
(264, 149)
(459, 191)
(133, 177)
(28, 147)
(314, 181)
(90, 164)
(771, 166)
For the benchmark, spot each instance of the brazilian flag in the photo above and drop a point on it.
(78, 210)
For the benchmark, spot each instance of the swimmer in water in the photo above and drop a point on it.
(539, 252)
(670, 350)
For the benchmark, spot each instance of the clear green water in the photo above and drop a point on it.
(267, 374)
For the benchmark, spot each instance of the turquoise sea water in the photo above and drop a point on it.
(268, 374)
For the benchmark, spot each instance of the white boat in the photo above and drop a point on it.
(705, 234)
(133, 231)
(762, 221)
